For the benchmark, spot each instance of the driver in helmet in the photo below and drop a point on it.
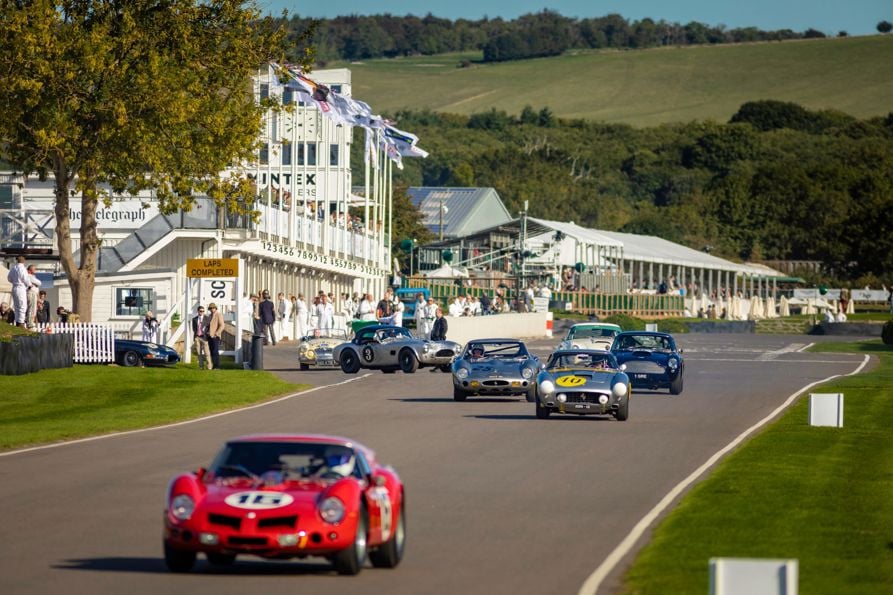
(477, 351)
(337, 465)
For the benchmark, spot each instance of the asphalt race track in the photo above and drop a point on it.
(497, 501)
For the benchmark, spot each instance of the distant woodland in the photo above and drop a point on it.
(540, 34)
(776, 182)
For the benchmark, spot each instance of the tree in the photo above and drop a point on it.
(407, 226)
(884, 27)
(131, 96)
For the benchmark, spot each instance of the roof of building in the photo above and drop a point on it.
(467, 210)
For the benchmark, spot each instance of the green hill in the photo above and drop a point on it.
(643, 87)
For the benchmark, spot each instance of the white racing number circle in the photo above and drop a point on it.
(257, 500)
(368, 353)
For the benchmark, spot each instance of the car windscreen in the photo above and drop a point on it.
(583, 360)
(592, 333)
(295, 460)
(501, 350)
(649, 342)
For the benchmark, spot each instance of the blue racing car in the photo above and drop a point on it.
(652, 360)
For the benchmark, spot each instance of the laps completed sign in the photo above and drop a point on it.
(212, 267)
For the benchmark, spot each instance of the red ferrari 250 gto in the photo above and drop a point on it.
(287, 496)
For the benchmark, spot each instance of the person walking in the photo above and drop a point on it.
(43, 308)
(325, 313)
(419, 313)
(284, 311)
(302, 315)
(201, 327)
(150, 327)
(268, 317)
(439, 330)
(430, 314)
(215, 334)
(18, 277)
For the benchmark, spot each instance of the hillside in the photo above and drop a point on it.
(643, 87)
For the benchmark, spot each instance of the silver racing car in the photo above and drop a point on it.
(392, 348)
(583, 382)
(500, 367)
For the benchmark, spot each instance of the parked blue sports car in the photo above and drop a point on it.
(652, 360)
(135, 353)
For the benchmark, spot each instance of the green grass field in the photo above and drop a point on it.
(67, 403)
(821, 495)
(643, 87)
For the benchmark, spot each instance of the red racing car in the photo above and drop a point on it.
(287, 496)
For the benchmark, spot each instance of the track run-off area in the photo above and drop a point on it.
(497, 501)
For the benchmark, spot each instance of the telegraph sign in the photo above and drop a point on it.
(212, 267)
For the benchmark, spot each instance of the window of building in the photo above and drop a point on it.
(333, 154)
(264, 90)
(274, 127)
(288, 96)
(311, 153)
(286, 153)
(264, 154)
(134, 301)
(336, 88)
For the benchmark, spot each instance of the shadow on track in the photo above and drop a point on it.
(555, 418)
(450, 400)
(156, 566)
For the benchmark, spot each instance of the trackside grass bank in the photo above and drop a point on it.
(63, 404)
(821, 495)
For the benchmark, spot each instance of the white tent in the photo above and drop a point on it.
(447, 271)
(784, 309)
(771, 311)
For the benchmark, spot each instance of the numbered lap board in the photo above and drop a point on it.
(212, 267)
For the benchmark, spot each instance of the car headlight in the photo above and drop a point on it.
(182, 507)
(547, 387)
(526, 372)
(426, 348)
(672, 364)
(331, 510)
(462, 373)
(302, 348)
(619, 389)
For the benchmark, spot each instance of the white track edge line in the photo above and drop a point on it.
(179, 423)
(805, 347)
(593, 582)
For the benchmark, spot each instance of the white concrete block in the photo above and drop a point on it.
(826, 409)
(753, 576)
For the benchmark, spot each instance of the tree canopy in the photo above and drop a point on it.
(130, 96)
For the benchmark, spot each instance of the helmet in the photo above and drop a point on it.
(341, 464)
(477, 350)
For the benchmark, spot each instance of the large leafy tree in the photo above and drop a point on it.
(115, 96)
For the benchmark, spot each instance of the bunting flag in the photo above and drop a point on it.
(395, 143)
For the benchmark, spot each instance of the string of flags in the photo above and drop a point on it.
(395, 143)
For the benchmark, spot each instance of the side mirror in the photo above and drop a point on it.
(200, 473)
(378, 481)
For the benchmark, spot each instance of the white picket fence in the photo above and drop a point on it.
(93, 343)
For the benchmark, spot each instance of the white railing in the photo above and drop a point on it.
(93, 343)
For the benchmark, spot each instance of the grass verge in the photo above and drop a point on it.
(821, 495)
(68, 403)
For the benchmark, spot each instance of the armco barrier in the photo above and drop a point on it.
(31, 353)
(531, 325)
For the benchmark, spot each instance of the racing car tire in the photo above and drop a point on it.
(622, 413)
(542, 412)
(459, 394)
(178, 560)
(305, 367)
(408, 361)
(389, 554)
(350, 560)
(130, 359)
(531, 394)
(216, 559)
(676, 386)
(350, 363)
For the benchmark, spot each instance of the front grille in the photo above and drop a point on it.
(643, 367)
(445, 353)
(222, 519)
(495, 383)
(582, 397)
(279, 521)
(247, 541)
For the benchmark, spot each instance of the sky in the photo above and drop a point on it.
(856, 17)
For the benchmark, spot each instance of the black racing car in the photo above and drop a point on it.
(142, 353)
